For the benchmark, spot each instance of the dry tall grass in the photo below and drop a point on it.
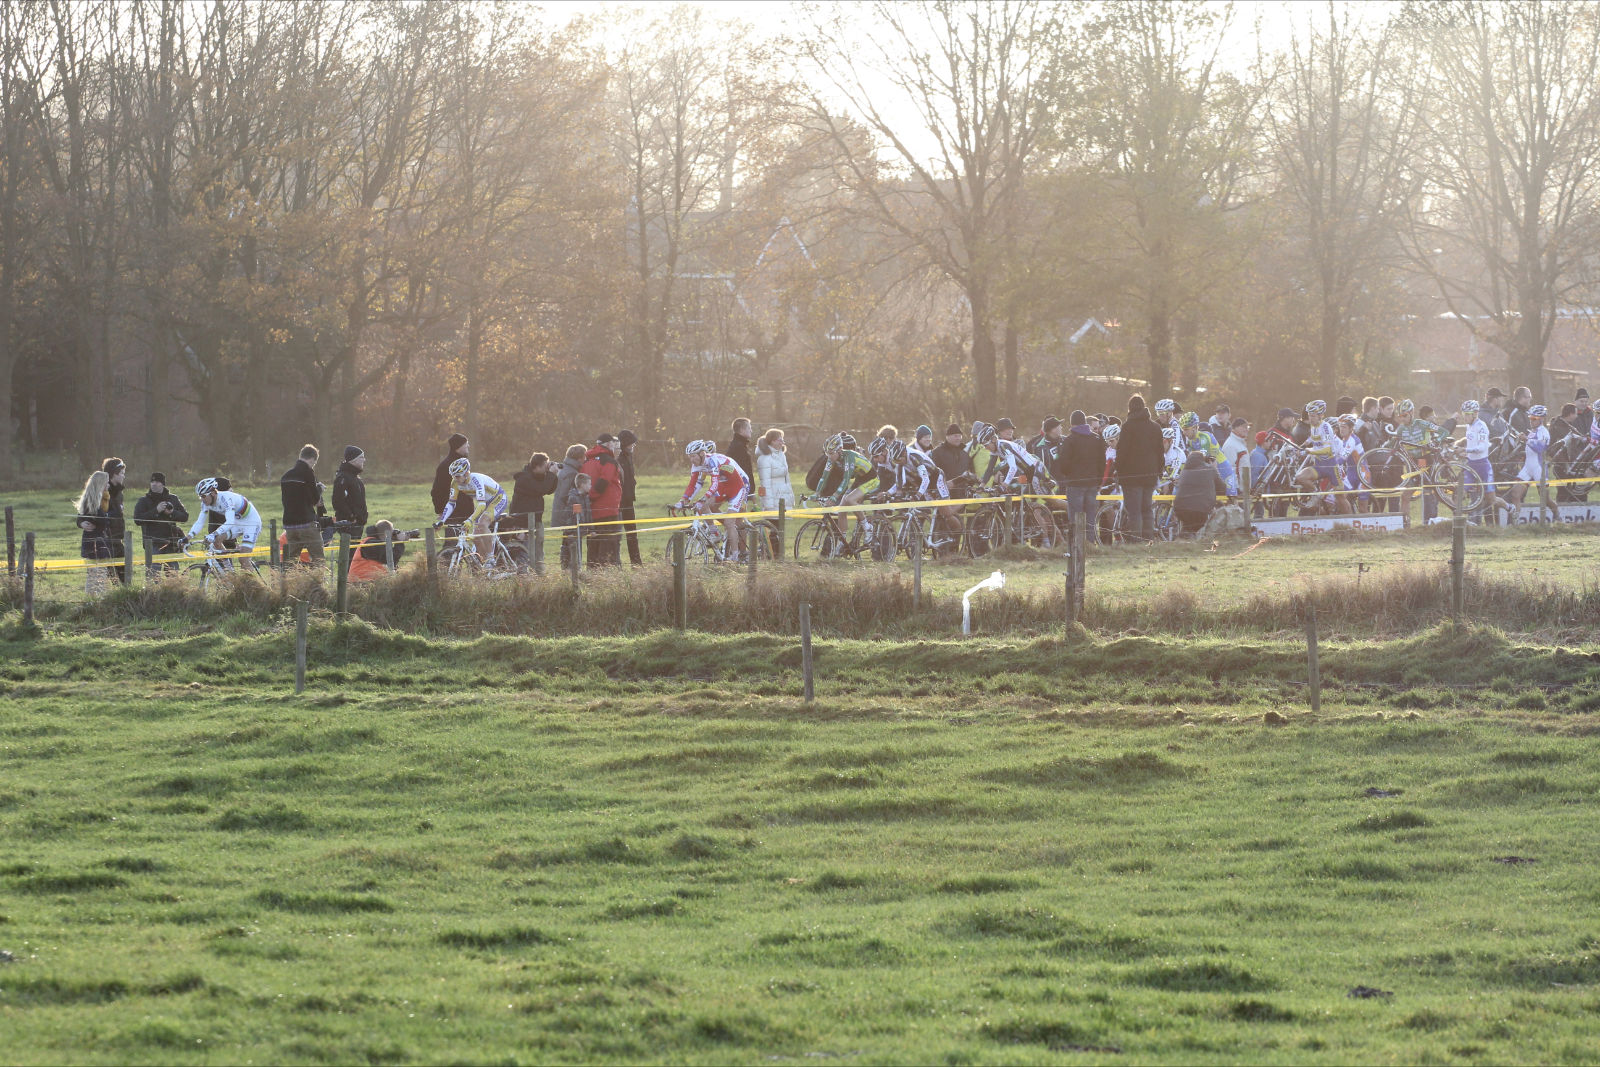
(846, 602)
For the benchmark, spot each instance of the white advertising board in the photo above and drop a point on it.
(1532, 513)
(1324, 523)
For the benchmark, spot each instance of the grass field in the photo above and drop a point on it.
(514, 851)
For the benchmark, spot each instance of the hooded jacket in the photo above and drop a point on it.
(1199, 485)
(772, 468)
(302, 496)
(1141, 451)
(605, 494)
(527, 499)
(1080, 462)
(349, 496)
(442, 481)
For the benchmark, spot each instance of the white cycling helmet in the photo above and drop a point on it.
(697, 446)
(1469, 407)
(1537, 411)
(204, 486)
(1317, 408)
(1164, 407)
(460, 467)
(1169, 432)
(1110, 434)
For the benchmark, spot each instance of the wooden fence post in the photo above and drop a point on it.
(1244, 489)
(274, 559)
(149, 561)
(1313, 670)
(783, 529)
(301, 614)
(680, 581)
(916, 570)
(1458, 551)
(27, 580)
(805, 653)
(127, 557)
(343, 563)
(11, 543)
(427, 545)
(538, 545)
(1080, 565)
(575, 556)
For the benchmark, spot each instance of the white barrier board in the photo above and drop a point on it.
(1323, 523)
(1532, 513)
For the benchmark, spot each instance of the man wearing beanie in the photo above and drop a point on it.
(349, 491)
(157, 515)
(1585, 420)
(455, 448)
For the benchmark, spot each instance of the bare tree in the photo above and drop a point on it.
(945, 185)
(1171, 134)
(1508, 220)
(1343, 127)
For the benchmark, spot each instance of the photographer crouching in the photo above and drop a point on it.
(369, 560)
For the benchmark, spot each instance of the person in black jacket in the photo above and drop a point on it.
(157, 514)
(1140, 455)
(116, 523)
(349, 491)
(1196, 492)
(739, 450)
(456, 448)
(302, 507)
(1078, 466)
(630, 489)
(533, 483)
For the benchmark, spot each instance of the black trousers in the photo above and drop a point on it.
(626, 513)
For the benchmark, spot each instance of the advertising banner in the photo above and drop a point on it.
(1323, 523)
(1532, 513)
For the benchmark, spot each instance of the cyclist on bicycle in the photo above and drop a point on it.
(1319, 445)
(238, 519)
(1197, 440)
(717, 482)
(1176, 455)
(1417, 438)
(1533, 466)
(473, 496)
(1347, 453)
(844, 481)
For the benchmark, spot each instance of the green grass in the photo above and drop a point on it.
(646, 850)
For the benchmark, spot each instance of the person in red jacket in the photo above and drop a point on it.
(605, 500)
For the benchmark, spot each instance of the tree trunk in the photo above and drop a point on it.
(1159, 346)
(1525, 356)
(1188, 356)
(7, 368)
(474, 341)
(983, 356)
(1328, 359)
(1013, 366)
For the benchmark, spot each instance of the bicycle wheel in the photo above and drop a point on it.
(886, 538)
(814, 540)
(1166, 520)
(988, 530)
(1384, 468)
(1039, 527)
(1447, 479)
(1108, 523)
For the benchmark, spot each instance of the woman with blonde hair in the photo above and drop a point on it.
(94, 519)
(772, 471)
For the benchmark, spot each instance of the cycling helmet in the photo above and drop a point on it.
(832, 444)
(1170, 433)
(1405, 407)
(1166, 407)
(922, 431)
(1536, 412)
(897, 452)
(878, 448)
(1347, 419)
(986, 436)
(698, 446)
(1189, 420)
(1316, 409)
(204, 486)
(1110, 434)
(1469, 407)
(848, 439)
(460, 467)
